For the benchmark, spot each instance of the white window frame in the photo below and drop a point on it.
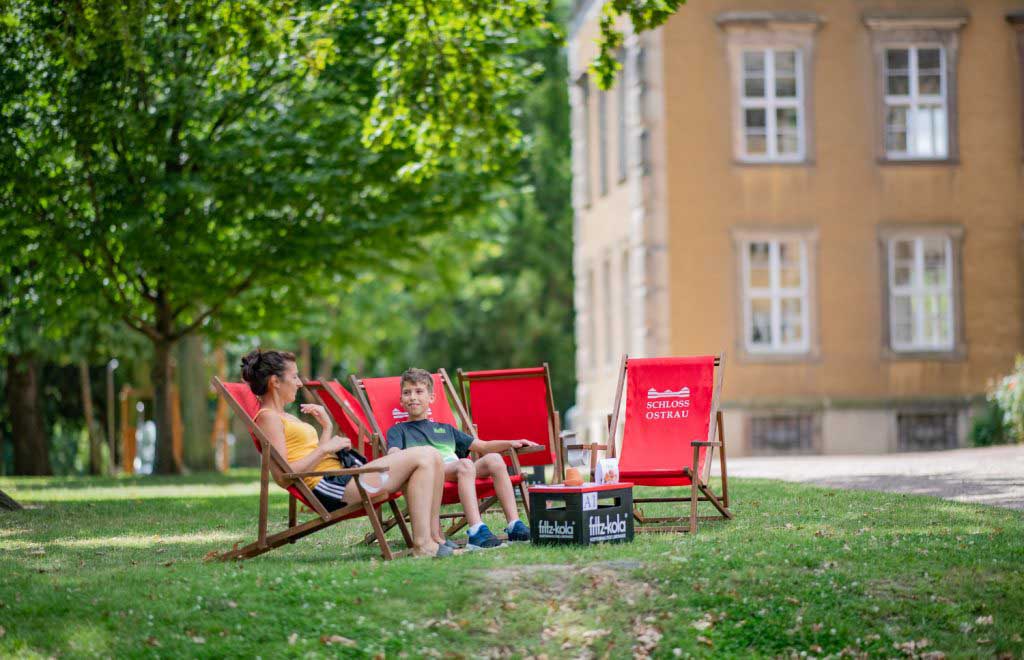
(889, 30)
(775, 31)
(914, 100)
(917, 290)
(770, 103)
(775, 292)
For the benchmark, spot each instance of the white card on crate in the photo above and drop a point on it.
(607, 471)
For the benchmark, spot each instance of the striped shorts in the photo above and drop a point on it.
(331, 491)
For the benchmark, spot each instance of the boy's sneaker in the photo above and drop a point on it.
(450, 544)
(483, 539)
(518, 531)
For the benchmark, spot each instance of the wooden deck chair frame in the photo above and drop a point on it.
(700, 491)
(317, 391)
(459, 519)
(555, 432)
(272, 464)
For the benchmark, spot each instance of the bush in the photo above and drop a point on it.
(1008, 394)
(987, 427)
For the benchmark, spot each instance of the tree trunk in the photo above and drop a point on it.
(195, 414)
(95, 455)
(163, 413)
(7, 503)
(31, 450)
(219, 434)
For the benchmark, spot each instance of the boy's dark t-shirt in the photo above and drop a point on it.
(445, 438)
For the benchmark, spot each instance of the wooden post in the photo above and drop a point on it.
(127, 432)
(177, 429)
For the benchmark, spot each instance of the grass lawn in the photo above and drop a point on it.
(114, 567)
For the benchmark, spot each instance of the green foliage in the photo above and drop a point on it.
(988, 427)
(495, 290)
(1008, 396)
(112, 567)
(643, 14)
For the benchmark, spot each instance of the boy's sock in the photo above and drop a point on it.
(511, 524)
(473, 529)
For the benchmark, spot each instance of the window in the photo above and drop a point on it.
(915, 69)
(782, 434)
(915, 102)
(582, 138)
(770, 59)
(602, 142)
(1016, 21)
(609, 330)
(592, 318)
(771, 105)
(626, 293)
(928, 430)
(621, 90)
(921, 293)
(775, 295)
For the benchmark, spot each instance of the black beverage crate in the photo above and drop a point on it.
(591, 513)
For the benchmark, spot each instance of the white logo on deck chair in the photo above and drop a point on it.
(400, 415)
(668, 394)
(669, 404)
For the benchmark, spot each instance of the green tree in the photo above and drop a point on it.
(199, 164)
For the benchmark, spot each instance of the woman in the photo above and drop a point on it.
(274, 378)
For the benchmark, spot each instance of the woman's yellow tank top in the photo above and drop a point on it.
(301, 440)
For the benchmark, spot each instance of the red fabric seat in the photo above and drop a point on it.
(669, 403)
(514, 404)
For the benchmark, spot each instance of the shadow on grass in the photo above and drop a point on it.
(1004, 492)
(245, 475)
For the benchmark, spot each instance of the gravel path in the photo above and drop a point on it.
(988, 475)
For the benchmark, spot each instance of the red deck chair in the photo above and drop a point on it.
(515, 403)
(671, 419)
(381, 401)
(244, 403)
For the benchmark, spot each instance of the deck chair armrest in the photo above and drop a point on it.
(567, 434)
(587, 447)
(335, 473)
(699, 443)
(523, 450)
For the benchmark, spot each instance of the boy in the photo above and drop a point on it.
(417, 395)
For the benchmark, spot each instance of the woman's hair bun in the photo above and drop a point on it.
(259, 365)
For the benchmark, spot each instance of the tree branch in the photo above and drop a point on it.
(235, 290)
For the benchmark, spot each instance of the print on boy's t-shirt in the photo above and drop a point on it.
(445, 438)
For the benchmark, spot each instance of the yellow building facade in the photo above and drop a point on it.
(830, 192)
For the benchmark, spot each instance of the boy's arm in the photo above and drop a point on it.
(395, 440)
(498, 446)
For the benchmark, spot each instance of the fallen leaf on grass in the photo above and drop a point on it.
(211, 555)
(232, 604)
(983, 641)
(816, 649)
(912, 647)
(984, 620)
(336, 639)
(292, 638)
(701, 639)
(152, 641)
(792, 601)
(3, 631)
(701, 625)
(169, 563)
(198, 640)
